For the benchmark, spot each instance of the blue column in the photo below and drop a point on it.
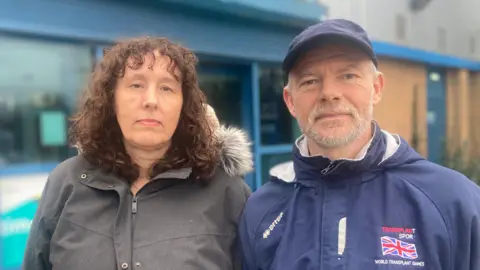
(255, 71)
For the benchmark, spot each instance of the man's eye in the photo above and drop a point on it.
(348, 76)
(309, 82)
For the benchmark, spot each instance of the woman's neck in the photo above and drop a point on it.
(145, 158)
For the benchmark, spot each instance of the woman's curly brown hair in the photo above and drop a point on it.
(95, 129)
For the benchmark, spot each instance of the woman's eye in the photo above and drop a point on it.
(136, 85)
(166, 88)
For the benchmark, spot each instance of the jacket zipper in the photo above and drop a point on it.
(328, 168)
(134, 205)
(332, 166)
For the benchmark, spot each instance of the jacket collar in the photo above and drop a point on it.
(99, 179)
(315, 167)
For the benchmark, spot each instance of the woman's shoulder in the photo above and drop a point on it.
(59, 186)
(234, 187)
(69, 170)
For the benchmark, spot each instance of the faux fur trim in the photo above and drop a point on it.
(236, 157)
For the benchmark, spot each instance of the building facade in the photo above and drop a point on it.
(430, 53)
(48, 49)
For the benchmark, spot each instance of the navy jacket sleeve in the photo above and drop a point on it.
(466, 233)
(475, 245)
(246, 242)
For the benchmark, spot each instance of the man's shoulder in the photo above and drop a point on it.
(442, 186)
(267, 199)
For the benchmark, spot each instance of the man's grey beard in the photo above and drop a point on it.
(360, 125)
(333, 141)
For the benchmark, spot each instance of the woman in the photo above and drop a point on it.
(154, 187)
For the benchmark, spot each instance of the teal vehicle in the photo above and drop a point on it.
(19, 195)
(15, 225)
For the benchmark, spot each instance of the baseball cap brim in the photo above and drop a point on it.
(322, 39)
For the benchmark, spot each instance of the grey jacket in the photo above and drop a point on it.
(90, 220)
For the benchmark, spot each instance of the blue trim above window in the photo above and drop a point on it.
(210, 35)
(289, 12)
(422, 56)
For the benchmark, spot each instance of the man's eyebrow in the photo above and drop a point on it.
(305, 73)
(348, 67)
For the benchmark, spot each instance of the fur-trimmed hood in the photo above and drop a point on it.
(236, 157)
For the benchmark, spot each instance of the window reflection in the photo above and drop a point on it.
(223, 93)
(276, 123)
(39, 85)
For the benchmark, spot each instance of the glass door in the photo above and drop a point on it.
(228, 90)
(224, 94)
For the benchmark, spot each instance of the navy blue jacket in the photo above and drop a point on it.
(391, 209)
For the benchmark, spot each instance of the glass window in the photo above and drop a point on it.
(224, 94)
(39, 85)
(277, 125)
(269, 161)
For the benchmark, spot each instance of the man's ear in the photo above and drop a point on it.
(378, 86)
(287, 97)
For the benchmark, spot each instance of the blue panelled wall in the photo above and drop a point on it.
(48, 47)
(247, 35)
(215, 34)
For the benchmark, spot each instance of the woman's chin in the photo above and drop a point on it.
(149, 141)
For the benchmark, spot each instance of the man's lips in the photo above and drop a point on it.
(149, 122)
(331, 116)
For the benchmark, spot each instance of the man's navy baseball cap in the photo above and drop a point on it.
(329, 31)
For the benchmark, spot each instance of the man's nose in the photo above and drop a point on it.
(329, 90)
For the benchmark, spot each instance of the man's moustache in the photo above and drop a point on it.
(323, 113)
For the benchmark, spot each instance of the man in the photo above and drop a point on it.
(356, 197)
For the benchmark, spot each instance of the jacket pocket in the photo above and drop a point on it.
(201, 251)
(77, 247)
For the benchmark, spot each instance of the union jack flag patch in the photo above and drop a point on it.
(395, 247)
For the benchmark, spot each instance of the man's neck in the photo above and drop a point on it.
(145, 158)
(349, 151)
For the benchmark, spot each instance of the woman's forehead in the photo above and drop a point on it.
(152, 62)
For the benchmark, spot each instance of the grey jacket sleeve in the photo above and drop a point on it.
(238, 264)
(51, 203)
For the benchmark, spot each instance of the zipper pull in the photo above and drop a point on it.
(328, 168)
(134, 205)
